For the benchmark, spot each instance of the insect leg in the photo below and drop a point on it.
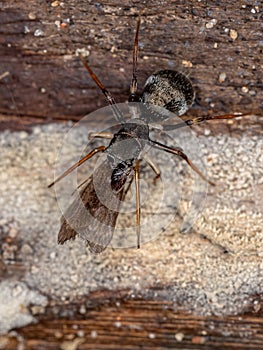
(81, 161)
(199, 120)
(81, 184)
(133, 86)
(107, 94)
(138, 206)
(154, 168)
(103, 135)
(178, 151)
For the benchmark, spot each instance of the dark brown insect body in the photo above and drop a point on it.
(93, 214)
(169, 89)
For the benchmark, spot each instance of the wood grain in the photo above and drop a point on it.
(42, 77)
(139, 324)
(42, 80)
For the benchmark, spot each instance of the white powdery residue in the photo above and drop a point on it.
(211, 23)
(15, 297)
(202, 278)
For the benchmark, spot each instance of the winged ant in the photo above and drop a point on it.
(90, 217)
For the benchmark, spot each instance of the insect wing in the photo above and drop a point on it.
(94, 212)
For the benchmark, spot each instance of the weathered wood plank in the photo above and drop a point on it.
(41, 79)
(219, 45)
(138, 324)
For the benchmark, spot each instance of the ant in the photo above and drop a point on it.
(90, 217)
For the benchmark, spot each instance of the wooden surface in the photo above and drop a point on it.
(138, 324)
(42, 80)
(41, 77)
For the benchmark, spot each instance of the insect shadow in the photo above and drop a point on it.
(93, 216)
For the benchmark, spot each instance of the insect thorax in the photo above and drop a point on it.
(128, 142)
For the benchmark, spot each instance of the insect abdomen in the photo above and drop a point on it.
(169, 89)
